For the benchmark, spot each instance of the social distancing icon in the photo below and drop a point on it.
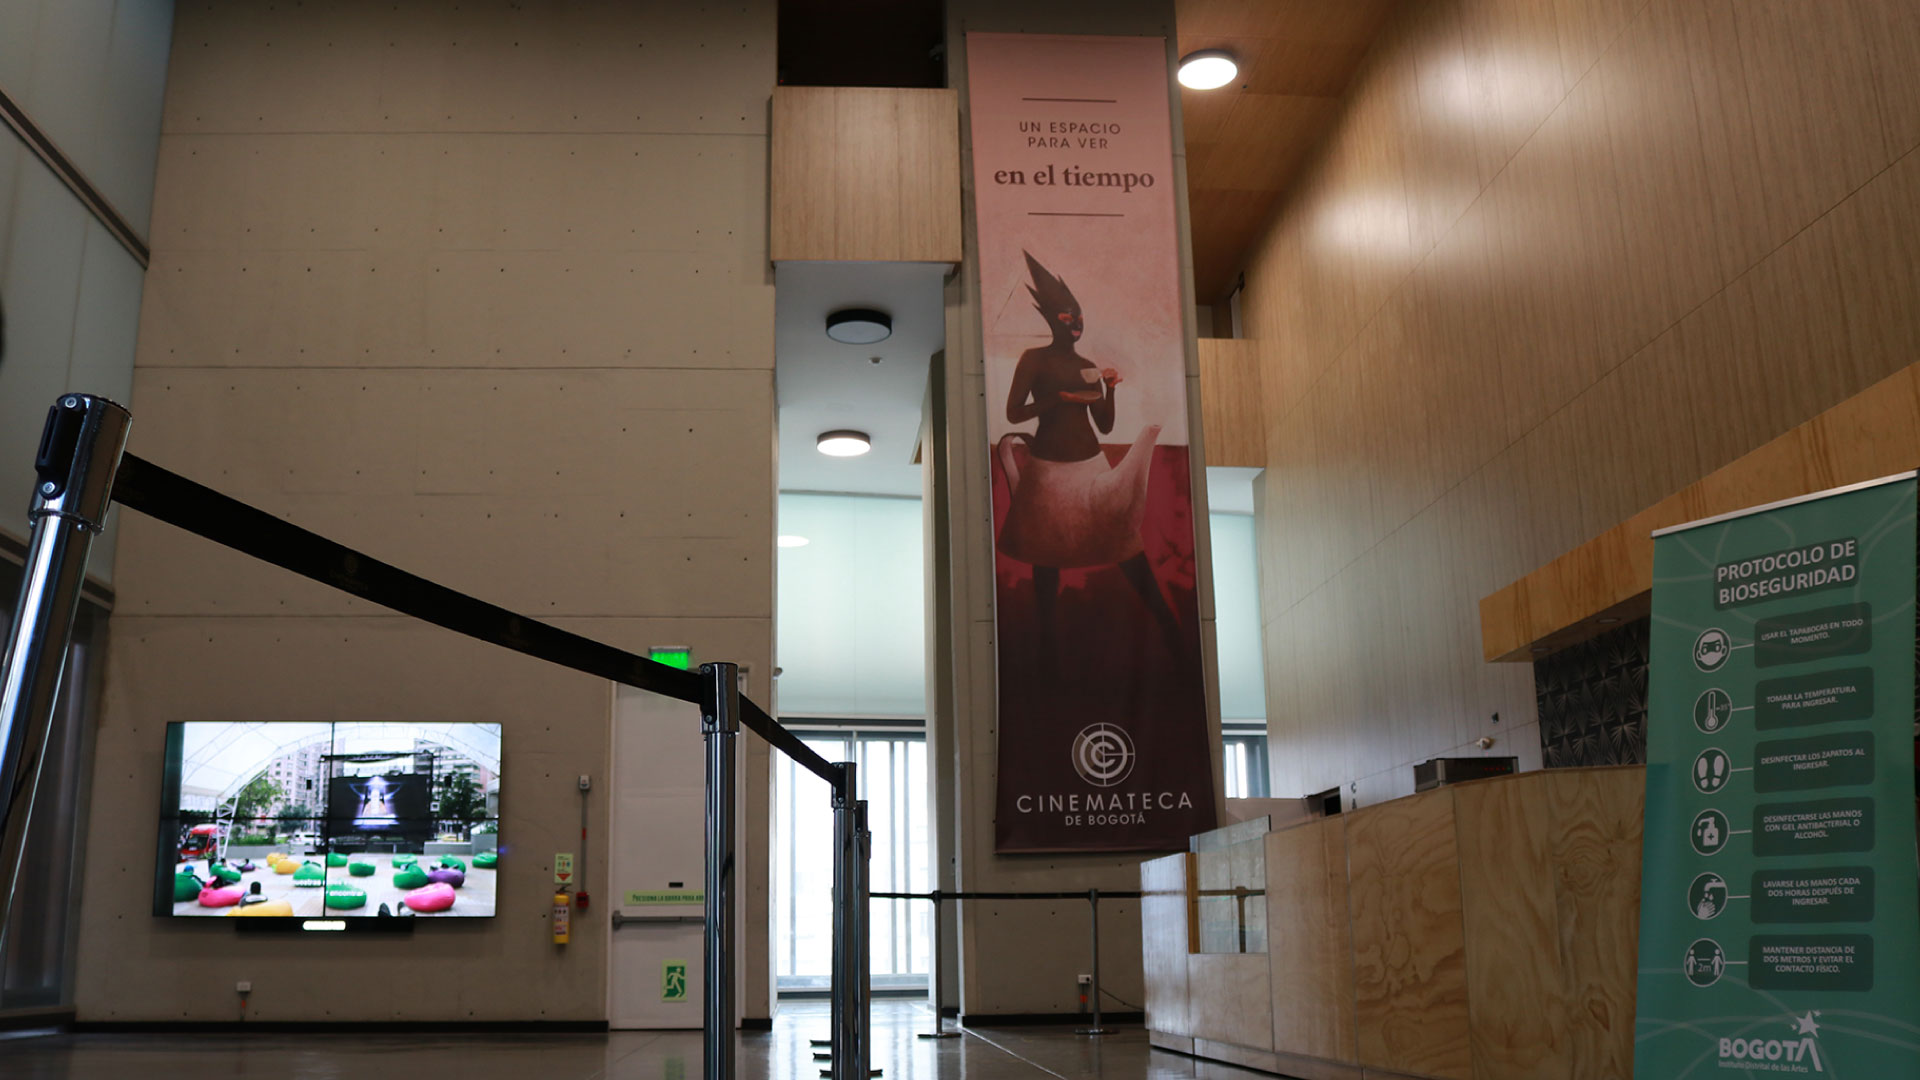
(1705, 962)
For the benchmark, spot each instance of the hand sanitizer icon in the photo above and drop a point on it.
(1709, 833)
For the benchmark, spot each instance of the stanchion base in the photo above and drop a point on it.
(937, 1035)
(819, 1042)
(1093, 1031)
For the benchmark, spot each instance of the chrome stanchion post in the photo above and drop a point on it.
(73, 483)
(1093, 905)
(720, 724)
(842, 1037)
(934, 977)
(861, 998)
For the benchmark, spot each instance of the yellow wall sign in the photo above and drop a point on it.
(674, 896)
(673, 980)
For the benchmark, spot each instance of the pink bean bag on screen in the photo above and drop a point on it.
(222, 897)
(430, 898)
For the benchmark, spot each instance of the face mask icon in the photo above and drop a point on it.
(1711, 649)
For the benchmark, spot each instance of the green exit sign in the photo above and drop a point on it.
(675, 656)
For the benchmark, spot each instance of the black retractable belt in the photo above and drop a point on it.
(159, 493)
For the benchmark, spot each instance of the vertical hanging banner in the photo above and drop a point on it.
(1102, 706)
(1779, 918)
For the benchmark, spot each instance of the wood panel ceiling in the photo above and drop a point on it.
(1247, 140)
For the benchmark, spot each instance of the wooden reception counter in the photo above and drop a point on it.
(1477, 932)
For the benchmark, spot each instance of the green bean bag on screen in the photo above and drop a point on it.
(486, 860)
(226, 874)
(309, 876)
(345, 897)
(336, 860)
(452, 863)
(360, 869)
(409, 877)
(187, 885)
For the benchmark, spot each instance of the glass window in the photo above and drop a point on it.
(1245, 748)
(893, 780)
(1228, 889)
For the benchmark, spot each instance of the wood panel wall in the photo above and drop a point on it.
(1409, 949)
(1558, 260)
(1873, 434)
(480, 294)
(1230, 402)
(1310, 938)
(1481, 932)
(865, 174)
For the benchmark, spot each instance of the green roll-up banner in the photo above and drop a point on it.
(1779, 914)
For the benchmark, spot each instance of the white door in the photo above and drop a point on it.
(658, 850)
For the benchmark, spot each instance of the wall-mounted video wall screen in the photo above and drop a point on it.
(267, 819)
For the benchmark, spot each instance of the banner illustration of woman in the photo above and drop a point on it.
(1070, 508)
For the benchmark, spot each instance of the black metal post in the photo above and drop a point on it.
(843, 1038)
(1093, 906)
(936, 983)
(720, 723)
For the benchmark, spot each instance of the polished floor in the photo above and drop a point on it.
(1025, 1053)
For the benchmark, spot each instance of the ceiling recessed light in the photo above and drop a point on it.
(1208, 69)
(844, 443)
(793, 541)
(1606, 620)
(859, 326)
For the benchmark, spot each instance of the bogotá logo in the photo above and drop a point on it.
(1798, 1053)
(1102, 754)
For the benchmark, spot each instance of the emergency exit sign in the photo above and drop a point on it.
(673, 980)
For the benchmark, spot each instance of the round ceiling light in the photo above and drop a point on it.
(789, 541)
(844, 443)
(1208, 69)
(859, 326)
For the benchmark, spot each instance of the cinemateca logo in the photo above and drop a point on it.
(1103, 754)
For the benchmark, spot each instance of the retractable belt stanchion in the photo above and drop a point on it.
(79, 453)
(841, 1006)
(1093, 906)
(1091, 896)
(861, 946)
(82, 469)
(720, 723)
(935, 979)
